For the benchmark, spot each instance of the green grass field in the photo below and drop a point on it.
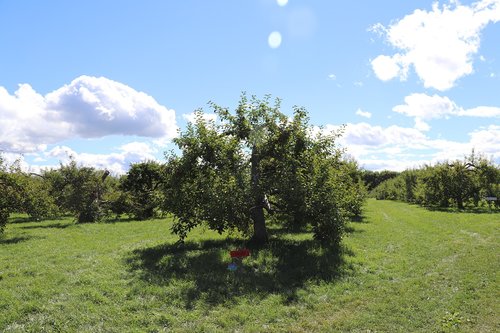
(402, 269)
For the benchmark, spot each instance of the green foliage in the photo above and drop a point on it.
(373, 179)
(458, 184)
(115, 200)
(78, 190)
(87, 193)
(209, 183)
(355, 192)
(258, 163)
(141, 185)
(10, 194)
(35, 199)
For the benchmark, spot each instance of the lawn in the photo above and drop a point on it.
(402, 269)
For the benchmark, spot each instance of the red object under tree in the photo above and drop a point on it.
(241, 253)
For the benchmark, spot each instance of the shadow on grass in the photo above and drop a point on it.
(353, 230)
(25, 219)
(20, 220)
(282, 267)
(359, 219)
(120, 220)
(467, 210)
(48, 226)
(14, 240)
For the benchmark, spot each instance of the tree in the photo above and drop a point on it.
(373, 178)
(7, 185)
(254, 163)
(8, 196)
(460, 187)
(116, 201)
(141, 183)
(10, 191)
(78, 190)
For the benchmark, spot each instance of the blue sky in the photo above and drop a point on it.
(110, 82)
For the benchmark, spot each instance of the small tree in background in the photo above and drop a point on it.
(372, 179)
(141, 183)
(78, 190)
(117, 201)
(9, 197)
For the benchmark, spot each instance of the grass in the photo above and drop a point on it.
(402, 269)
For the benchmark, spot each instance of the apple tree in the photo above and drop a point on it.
(255, 163)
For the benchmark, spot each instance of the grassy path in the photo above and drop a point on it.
(404, 269)
(428, 271)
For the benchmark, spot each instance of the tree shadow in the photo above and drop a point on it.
(14, 240)
(279, 231)
(26, 219)
(14, 220)
(129, 219)
(282, 267)
(352, 230)
(466, 210)
(120, 220)
(359, 219)
(57, 225)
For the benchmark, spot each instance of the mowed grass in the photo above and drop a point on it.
(402, 269)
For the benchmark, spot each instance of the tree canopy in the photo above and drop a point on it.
(141, 183)
(256, 163)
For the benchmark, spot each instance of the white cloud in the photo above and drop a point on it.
(421, 125)
(481, 111)
(398, 148)
(362, 113)
(282, 3)
(62, 153)
(332, 77)
(96, 107)
(390, 164)
(440, 44)
(364, 134)
(487, 140)
(427, 107)
(88, 107)
(387, 68)
(424, 107)
(117, 163)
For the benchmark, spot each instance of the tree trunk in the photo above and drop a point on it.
(259, 226)
(259, 220)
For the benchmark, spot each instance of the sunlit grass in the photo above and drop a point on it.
(402, 269)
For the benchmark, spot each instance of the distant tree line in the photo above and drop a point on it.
(461, 183)
(372, 179)
(88, 194)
